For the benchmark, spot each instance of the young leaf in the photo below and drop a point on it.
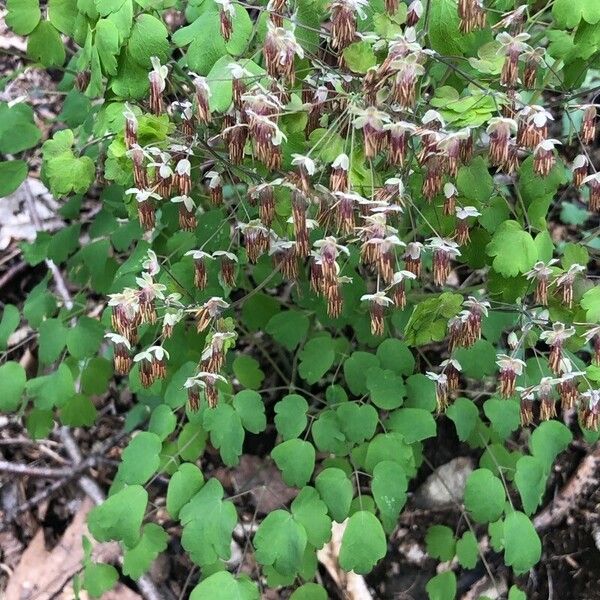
(120, 516)
(522, 545)
(442, 586)
(290, 416)
(336, 490)
(311, 512)
(465, 415)
(415, 424)
(389, 487)
(484, 496)
(530, 479)
(12, 175)
(363, 543)
(183, 485)
(251, 410)
(137, 560)
(316, 358)
(99, 578)
(467, 550)
(226, 432)
(513, 249)
(296, 460)
(441, 543)
(13, 378)
(224, 586)
(208, 523)
(280, 541)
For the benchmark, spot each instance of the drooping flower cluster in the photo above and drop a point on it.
(330, 217)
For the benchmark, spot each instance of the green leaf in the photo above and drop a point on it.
(359, 57)
(336, 490)
(107, 44)
(316, 358)
(288, 328)
(183, 485)
(148, 38)
(358, 423)
(13, 378)
(396, 356)
(137, 560)
(590, 302)
(415, 424)
(530, 479)
(162, 421)
(311, 512)
(251, 410)
(205, 47)
(479, 360)
(504, 415)
(444, 33)
(484, 496)
(52, 340)
(78, 411)
(45, 46)
(12, 174)
(328, 435)
(385, 388)
(66, 173)
(224, 586)
(39, 423)
(513, 249)
(191, 441)
(363, 543)
(296, 460)
(63, 14)
(429, 318)
(9, 322)
(23, 15)
(226, 432)
(465, 415)
(85, 338)
(474, 181)
(309, 591)
(120, 516)
(248, 371)
(280, 541)
(52, 390)
(389, 487)
(467, 550)
(95, 376)
(522, 546)
(442, 586)
(18, 117)
(440, 542)
(516, 594)
(389, 446)
(140, 459)
(568, 13)
(356, 368)
(208, 523)
(99, 578)
(290, 416)
(548, 440)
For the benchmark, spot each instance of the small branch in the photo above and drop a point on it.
(49, 473)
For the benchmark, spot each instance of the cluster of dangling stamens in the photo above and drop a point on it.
(389, 130)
